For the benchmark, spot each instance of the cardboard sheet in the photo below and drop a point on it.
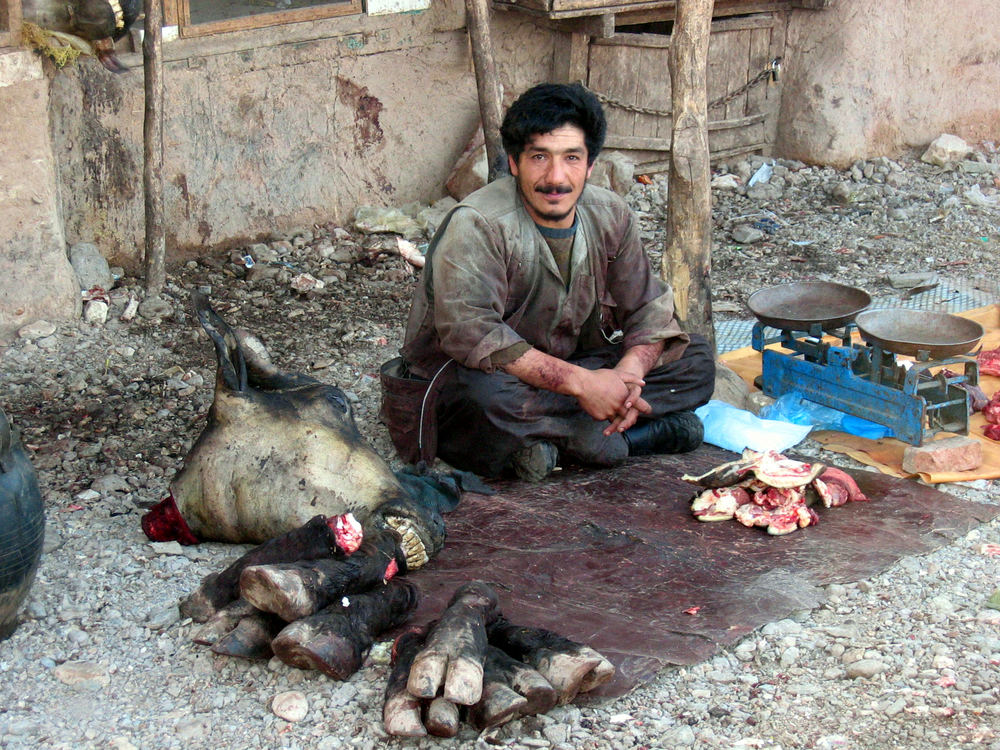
(614, 558)
(887, 454)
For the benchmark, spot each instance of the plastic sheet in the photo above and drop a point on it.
(614, 558)
(735, 429)
(796, 409)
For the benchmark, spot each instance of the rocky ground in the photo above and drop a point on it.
(909, 658)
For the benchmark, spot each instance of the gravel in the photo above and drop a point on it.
(109, 408)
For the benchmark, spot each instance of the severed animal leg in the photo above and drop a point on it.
(336, 639)
(401, 710)
(456, 646)
(442, 717)
(223, 621)
(510, 689)
(569, 667)
(296, 590)
(319, 537)
(251, 638)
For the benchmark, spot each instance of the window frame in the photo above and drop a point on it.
(10, 23)
(178, 13)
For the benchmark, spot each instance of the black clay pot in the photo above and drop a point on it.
(22, 525)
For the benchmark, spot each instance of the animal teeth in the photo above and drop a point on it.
(119, 15)
(413, 547)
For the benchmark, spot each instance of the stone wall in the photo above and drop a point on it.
(36, 279)
(864, 79)
(263, 135)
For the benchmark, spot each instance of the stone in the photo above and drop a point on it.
(432, 216)
(744, 234)
(910, 280)
(471, 170)
(163, 617)
(83, 674)
(957, 453)
(154, 307)
(290, 706)
(729, 386)
(756, 401)
(90, 267)
(615, 171)
(725, 182)
(95, 312)
(946, 149)
(37, 330)
(866, 668)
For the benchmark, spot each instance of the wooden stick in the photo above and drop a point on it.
(152, 148)
(477, 18)
(687, 262)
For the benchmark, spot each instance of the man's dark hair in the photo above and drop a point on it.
(547, 106)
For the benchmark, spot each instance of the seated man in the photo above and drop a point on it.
(538, 287)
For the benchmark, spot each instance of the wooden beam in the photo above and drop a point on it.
(570, 57)
(10, 23)
(487, 83)
(152, 148)
(687, 259)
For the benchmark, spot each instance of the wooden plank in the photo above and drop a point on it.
(663, 165)
(10, 23)
(611, 73)
(651, 143)
(687, 257)
(562, 9)
(730, 138)
(569, 62)
(171, 13)
(737, 74)
(155, 250)
(487, 84)
(654, 92)
(259, 20)
(657, 41)
(758, 58)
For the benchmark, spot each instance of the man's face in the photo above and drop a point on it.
(551, 173)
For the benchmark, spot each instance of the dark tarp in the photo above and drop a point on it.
(613, 557)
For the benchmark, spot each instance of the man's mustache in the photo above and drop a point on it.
(562, 189)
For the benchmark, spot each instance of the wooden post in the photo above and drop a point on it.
(152, 148)
(687, 262)
(477, 18)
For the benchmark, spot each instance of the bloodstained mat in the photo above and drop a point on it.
(614, 559)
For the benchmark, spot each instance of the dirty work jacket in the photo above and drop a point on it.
(490, 282)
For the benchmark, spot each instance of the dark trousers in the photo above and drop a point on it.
(483, 418)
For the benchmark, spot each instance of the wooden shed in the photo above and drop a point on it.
(619, 50)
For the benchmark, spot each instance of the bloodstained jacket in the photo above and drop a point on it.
(490, 282)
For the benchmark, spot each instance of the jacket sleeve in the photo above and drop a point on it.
(470, 291)
(644, 303)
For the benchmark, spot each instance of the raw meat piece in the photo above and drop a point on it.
(989, 361)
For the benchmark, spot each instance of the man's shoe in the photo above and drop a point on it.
(535, 462)
(678, 432)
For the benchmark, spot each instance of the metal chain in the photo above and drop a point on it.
(770, 72)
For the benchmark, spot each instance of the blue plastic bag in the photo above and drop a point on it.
(793, 407)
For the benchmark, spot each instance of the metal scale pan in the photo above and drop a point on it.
(803, 304)
(909, 332)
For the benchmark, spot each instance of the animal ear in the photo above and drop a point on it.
(232, 365)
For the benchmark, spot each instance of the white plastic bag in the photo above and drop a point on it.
(736, 429)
